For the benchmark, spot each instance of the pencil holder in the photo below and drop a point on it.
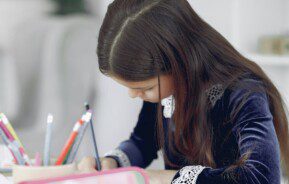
(22, 173)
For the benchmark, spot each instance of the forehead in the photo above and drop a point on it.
(140, 84)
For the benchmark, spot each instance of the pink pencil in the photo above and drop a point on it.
(37, 159)
(6, 131)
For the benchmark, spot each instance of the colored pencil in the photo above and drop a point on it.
(79, 138)
(7, 142)
(96, 155)
(69, 143)
(37, 159)
(15, 142)
(20, 159)
(9, 127)
(47, 144)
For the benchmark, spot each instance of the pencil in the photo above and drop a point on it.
(79, 138)
(47, 144)
(15, 142)
(9, 127)
(21, 150)
(20, 159)
(7, 142)
(69, 143)
(12, 147)
(96, 155)
(37, 159)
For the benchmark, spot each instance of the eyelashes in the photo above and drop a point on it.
(150, 89)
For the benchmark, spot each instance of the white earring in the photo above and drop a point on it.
(169, 106)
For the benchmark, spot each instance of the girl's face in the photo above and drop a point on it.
(148, 90)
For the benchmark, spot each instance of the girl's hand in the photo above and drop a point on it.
(87, 164)
(108, 163)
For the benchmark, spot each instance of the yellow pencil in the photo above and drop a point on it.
(10, 128)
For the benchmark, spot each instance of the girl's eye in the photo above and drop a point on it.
(150, 89)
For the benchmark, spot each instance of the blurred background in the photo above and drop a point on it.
(48, 64)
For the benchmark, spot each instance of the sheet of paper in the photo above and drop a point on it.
(4, 180)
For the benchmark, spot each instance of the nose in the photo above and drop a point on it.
(135, 93)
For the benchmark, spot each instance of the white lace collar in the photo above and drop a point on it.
(214, 94)
(169, 106)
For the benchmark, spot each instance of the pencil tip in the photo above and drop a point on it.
(86, 106)
(49, 118)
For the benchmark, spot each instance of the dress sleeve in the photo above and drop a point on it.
(141, 148)
(254, 132)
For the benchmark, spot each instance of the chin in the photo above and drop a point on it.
(151, 100)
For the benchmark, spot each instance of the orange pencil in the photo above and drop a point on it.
(69, 142)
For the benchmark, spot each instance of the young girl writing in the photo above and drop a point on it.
(215, 115)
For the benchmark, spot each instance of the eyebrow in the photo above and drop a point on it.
(144, 88)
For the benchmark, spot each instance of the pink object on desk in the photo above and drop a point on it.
(37, 159)
(129, 175)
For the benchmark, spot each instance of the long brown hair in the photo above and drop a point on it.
(142, 39)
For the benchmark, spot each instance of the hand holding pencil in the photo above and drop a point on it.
(88, 164)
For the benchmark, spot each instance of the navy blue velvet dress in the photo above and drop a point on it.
(252, 130)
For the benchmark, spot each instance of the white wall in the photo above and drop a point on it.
(98, 7)
(13, 12)
(260, 18)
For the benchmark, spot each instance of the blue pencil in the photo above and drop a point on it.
(47, 144)
(96, 155)
(17, 153)
(14, 149)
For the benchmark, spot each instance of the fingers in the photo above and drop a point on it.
(108, 163)
(87, 165)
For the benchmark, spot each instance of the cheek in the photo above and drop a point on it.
(166, 92)
(167, 87)
(131, 93)
(152, 96)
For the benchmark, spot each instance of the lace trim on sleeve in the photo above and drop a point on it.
(188, 174)
(121, 157)
(215, 93)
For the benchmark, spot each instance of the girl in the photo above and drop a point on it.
(215, 114)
